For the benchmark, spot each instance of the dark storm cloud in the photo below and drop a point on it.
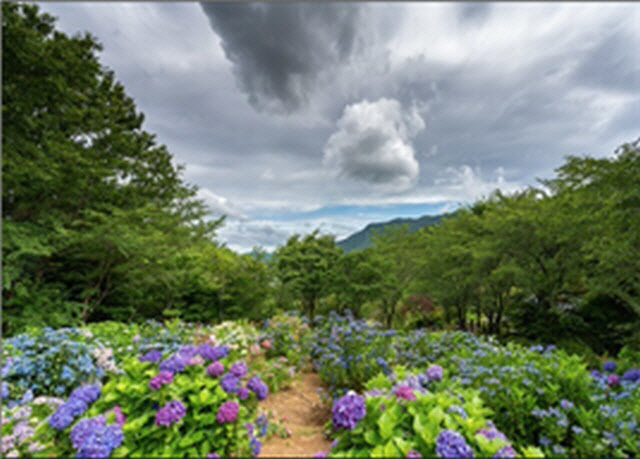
(278, 49)
(613, 63)
(474, 11)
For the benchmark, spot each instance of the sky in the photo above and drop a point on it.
(296, 116)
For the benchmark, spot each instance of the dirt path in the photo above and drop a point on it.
(300, 407)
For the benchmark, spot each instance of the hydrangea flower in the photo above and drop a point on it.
(186, 353)
(613, 380)
(457, 409)
(153, 356)
(83, 428)
(256, 385)
(239, 369)
(64, 415)
(213, 455)
(228, 412)
(413, 453)
(435, 372)
(215, 369)
(321, 454)
(101, 441)
(213, 353)
(120, 417)
(174, 364)
(348, 410)
(256, 446)
(609, 366)
(506, 451)
(172, 412)
(566, 404)
(405, 392)
(491, 432)
(162, 378)
(451, 444)
(229, 383)
(243, 393)
(632, 375)
(5, 389)
(88, 394)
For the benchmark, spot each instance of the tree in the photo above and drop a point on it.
(308, 266)
(88, 197)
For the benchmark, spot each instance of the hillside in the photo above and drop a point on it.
(362, 239)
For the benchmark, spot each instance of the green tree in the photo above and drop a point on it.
(307, 266)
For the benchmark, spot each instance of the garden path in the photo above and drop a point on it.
(300, 408)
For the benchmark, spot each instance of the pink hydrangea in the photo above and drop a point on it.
(405, 392)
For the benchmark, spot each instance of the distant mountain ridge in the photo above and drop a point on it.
(362, 239)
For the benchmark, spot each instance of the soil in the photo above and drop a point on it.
(300, 409)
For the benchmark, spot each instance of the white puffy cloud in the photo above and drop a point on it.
(372, 143)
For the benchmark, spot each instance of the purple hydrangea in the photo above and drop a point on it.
(5, 389)
(632, 375)
(162, 378)
(256, 446)
(596, 374)
(213, 455)
(229, 383)
(405, 392)
(210, 352)
(321, 454)
(239, 369)
(609, 366)
(491, 432)
(101, 441)
(188, 352)
(250, 427)
(259, 387)
(153, 356)
(348, 410)
(613, 380)
(83, 428)
(413, 453)
(172, 412)
(174, 364)
(506, 451)
(451, 444)
(215, 369)
(88, 393)
(243, 393)
(434, 372)
(228, 412)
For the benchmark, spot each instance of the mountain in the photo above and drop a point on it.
(362, 239)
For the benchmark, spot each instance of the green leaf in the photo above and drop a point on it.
(372, 437)
(391, 450)
(386, 422)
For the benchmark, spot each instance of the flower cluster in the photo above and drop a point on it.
(172, 412)
(174, 364)
(162, 378)
(451, 444)
(256, 385)
(213, 353)
(77, 404)
(348, 410)
(228, 412)
(153, 356)
(104, 358)
(95, 438)
(215, 369)
(435, 372)
(229, 383)
(239, 369)
(405, 392)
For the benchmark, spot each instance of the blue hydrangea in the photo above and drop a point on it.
(255, 445)
(101, 441)
(256, 385)
(5, 389)
(609, 366)
(214, 353)
(88, 393)
(451, 444)
(153, 356)
(631, 375)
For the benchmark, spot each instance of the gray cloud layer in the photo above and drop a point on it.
(505, 90)
(278, 49)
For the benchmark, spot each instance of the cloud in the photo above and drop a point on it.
(219, 205)
(278, 50)
(466, 183)
(372, 144)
